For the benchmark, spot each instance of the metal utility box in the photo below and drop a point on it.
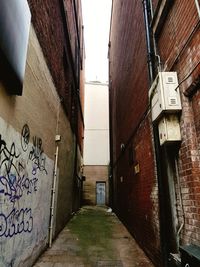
(190, 256)
(164, 94)
(169, 129)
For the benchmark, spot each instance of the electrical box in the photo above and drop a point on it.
(164, 94)
(190, 256)
(169, 129)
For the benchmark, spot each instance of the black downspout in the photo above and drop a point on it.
(150, 49)
(111, 203)
(151, 66)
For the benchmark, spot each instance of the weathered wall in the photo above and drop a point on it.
(135, 195)
(178, 45)
(176, 28)
(27, 145)
(63, 47)
(94, 174)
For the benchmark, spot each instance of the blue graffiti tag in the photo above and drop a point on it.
(16, 222)
(15, 186)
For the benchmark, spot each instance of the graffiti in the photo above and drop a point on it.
(25, 137)
(15, 181)
(20, 169)
(36, 155)
(15, 186)
(7, 156)
(17, 222)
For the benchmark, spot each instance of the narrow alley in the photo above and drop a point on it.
(94, 237)
(99, 107)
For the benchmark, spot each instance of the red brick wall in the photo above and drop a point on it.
(135, 196)
(154, 4)
(178, 46)
(47, 21)
(128, 70)
(137, 200)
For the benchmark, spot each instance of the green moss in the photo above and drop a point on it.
(93, 229)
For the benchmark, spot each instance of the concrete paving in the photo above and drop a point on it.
(94, 238)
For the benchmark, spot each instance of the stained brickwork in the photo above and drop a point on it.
(178, 45)
(136, 196)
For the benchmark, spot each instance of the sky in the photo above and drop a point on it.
(96, 21)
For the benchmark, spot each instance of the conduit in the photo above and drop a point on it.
(181, 201)
(151, 51)
(53, 195)
(148, 40)
(198, 7)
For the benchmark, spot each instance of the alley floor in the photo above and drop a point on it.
(94, 238)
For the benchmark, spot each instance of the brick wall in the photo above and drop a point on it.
(135, 195)
(94, 174)
(178, 45)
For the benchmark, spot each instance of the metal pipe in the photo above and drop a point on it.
(150, 51)
(53, 198)
(181, 201)
(198, 7)
(148, 40)
(159, 66)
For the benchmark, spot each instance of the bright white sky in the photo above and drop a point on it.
(96, 21)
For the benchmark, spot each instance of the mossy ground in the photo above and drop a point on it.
(93, 229)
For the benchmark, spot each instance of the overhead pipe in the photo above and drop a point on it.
(147, 4)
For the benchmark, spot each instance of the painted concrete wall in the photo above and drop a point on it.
(28, 125)
(96, 139)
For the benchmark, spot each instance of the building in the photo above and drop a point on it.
(96, 144)
(155, 186)
(41, 124)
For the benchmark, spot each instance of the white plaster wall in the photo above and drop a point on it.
(96, 106)
(28, 125)
(96, 135)
(96, 145)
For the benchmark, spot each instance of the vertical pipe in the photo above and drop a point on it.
(181, 201)
(53, 198)
(150, 52)
(198, 7)
(148, 40)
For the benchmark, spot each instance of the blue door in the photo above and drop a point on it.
(101, 193)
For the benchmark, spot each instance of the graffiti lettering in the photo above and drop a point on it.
(17, 222)
(36, 155)
(7, 156)
(14, 187)
(25, 137)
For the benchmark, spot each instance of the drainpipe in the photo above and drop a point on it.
(57, 139)
(198, 7)
(147, 4)
(181, 203)
(150, 51)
